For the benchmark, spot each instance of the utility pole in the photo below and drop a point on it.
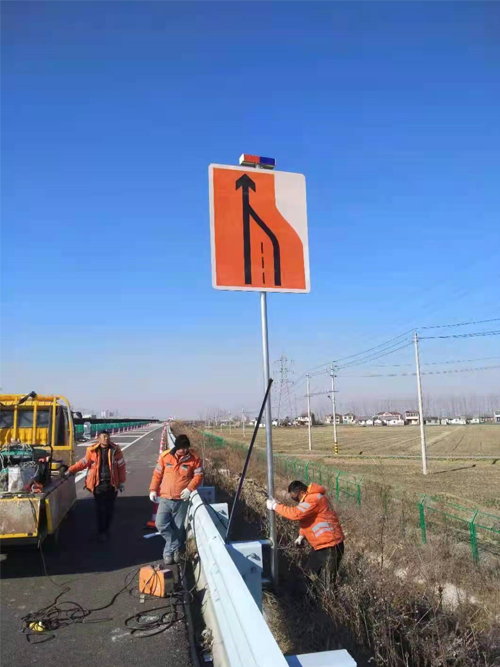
(420, 407)
(309, 411)
(334, 414)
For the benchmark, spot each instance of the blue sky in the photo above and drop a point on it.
(111, 113)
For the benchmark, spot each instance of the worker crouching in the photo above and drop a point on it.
(106, 474)
(177, 474)
(319, 525)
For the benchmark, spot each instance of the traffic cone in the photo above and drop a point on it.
(152, 522)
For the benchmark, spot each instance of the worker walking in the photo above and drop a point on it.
(319, 525)
(177, 474)
(106, 474)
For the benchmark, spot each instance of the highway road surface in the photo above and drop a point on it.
(94, 573)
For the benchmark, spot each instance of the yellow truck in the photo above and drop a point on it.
(37, 438)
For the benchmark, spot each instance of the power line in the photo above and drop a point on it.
(467, 335)
(435, 363)
(374, 357)
(444, 372)
(460, 324)
(363, 352)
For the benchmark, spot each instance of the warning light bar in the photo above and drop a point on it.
(255, 160)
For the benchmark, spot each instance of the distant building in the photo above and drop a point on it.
(390, 419)
(329, 419)
(302, 421)
(444, 421)
(496, 416)
(432, 421)
(364, 421)
(455, 421)
(348, 418)
(412, 417)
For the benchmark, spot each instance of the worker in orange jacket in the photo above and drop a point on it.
(106, 474)
(177, 474)
(319, 525)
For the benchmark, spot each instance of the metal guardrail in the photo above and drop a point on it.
(241, 635)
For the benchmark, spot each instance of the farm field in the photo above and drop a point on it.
(472, 482)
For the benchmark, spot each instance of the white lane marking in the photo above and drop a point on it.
(83, 473)
(116, 436)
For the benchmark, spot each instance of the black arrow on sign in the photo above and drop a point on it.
(246, 183)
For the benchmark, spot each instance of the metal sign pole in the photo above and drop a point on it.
(269, 439)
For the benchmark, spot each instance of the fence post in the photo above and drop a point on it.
(473, 538)
(423, 529)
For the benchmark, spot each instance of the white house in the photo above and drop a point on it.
(458, 421)
(302, 421)
(475, 420)
(496, 416)
(432, 421)
(412, 417)
(348, 418)
(391, 418)
(363, 421)
(329, 419)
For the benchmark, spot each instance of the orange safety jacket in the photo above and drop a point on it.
(173, 474)
(92, 461)
(319, 524)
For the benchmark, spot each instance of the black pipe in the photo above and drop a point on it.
(242, 478)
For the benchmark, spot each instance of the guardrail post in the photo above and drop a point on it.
(423, 528)
(473, 538)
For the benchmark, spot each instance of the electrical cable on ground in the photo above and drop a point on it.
(40, 626)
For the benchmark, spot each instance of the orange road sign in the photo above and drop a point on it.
(258, 224)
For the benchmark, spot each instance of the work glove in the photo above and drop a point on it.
(271, 504)
(122, 487)
(299, 540)
(153, 497)
(185, 493)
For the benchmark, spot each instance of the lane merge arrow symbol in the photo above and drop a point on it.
(246, 184)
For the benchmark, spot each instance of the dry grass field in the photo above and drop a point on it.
(469, 481)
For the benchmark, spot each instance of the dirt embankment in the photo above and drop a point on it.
(392, 604)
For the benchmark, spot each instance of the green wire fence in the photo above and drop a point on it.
(112, 427)
(456, 522)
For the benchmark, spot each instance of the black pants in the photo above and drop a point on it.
(104, 505)
(324, 563)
